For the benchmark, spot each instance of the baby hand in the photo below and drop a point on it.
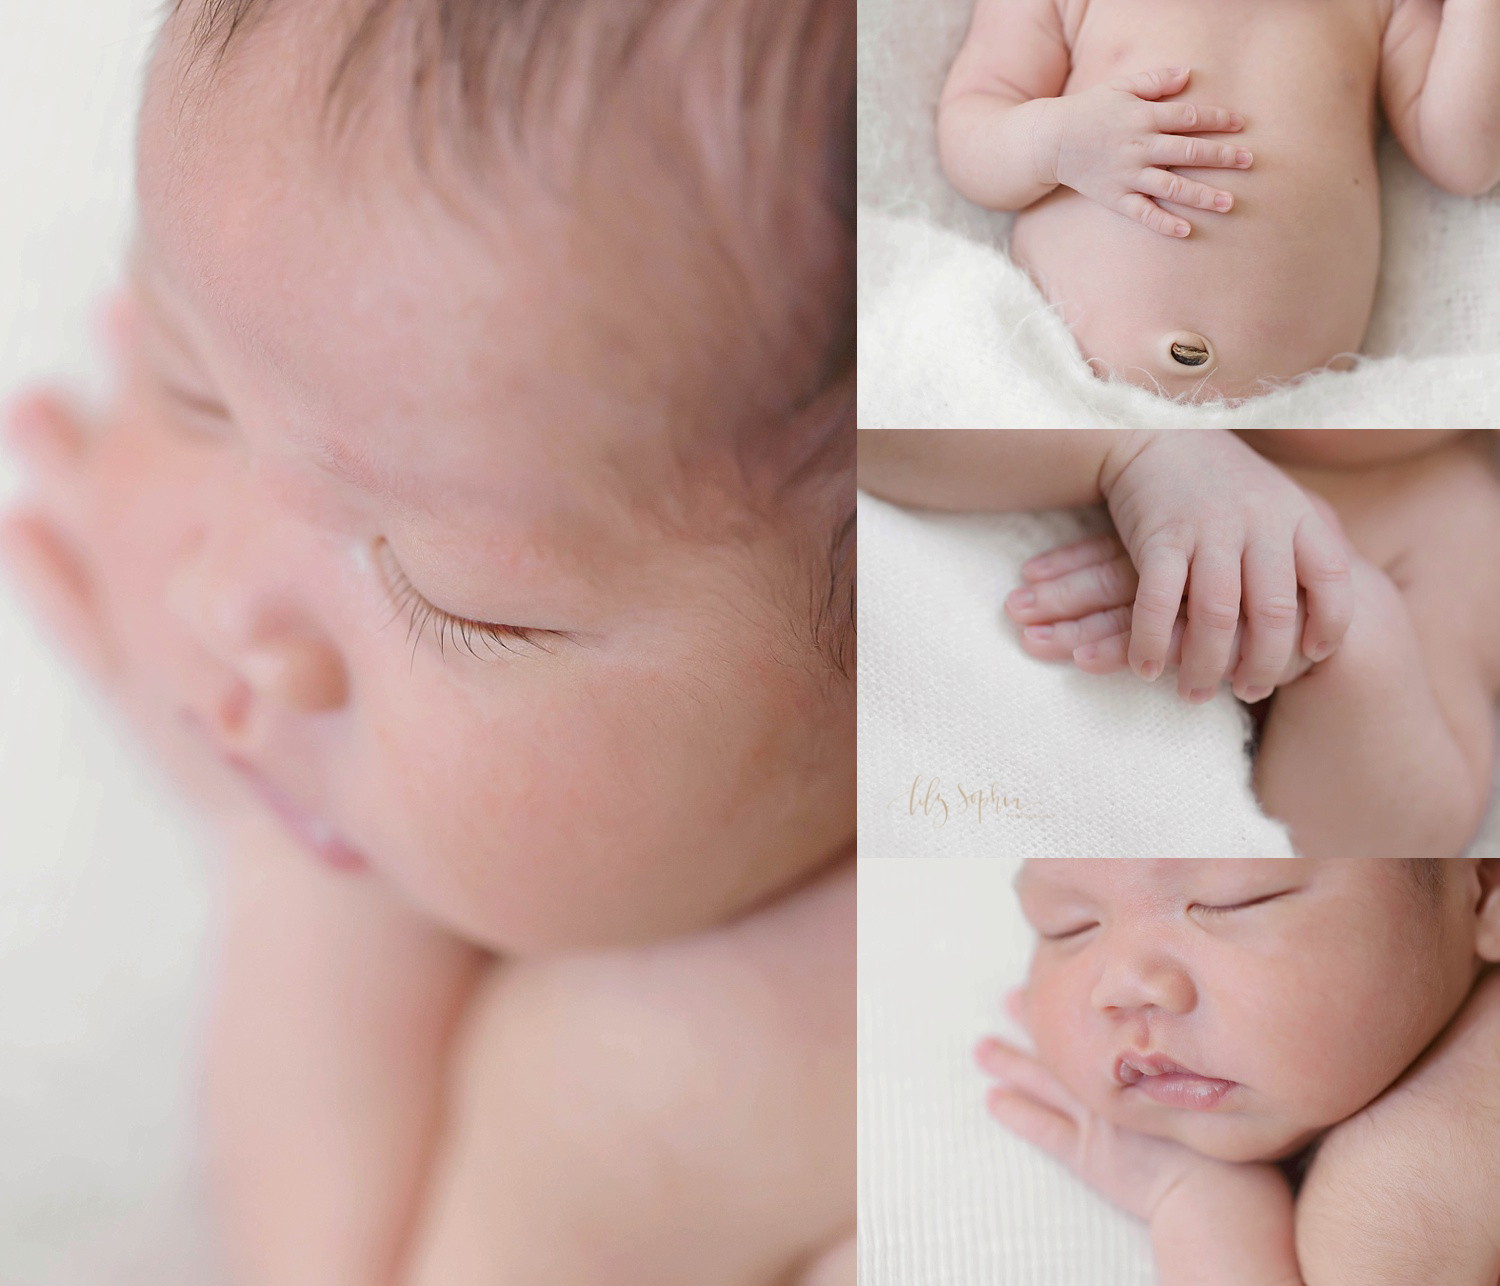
(1112, 143)
(1200, 511)
(1080, 607)
(81, 542)
(1133, 1171)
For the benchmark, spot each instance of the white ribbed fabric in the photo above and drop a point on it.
(952, 335)
(947, 1197)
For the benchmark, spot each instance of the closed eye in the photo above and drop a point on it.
(446, 626)
(1071, 933)
(1241, 906)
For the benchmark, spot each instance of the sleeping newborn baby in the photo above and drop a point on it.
(1182, 1049)
(1197, 185)
(472, 541)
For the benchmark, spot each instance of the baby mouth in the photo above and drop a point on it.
(1170, 1084)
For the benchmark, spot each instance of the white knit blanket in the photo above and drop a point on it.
(953, 335)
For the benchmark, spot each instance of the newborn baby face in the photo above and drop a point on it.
(441, 566)
(1240, 1007)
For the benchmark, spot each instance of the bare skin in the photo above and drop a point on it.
(1355, 757)
(1206, 179)
(1402, 1186)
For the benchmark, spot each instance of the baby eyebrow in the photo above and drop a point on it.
(351, 468)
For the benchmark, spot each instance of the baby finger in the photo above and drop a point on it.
(1180, 191)
(1185, 118)
(59, 589)
(1270, 609)
(1144, 210)
(1090, 589)
(1173, 149)
(1051, 1131)
(1213, 616)
(1163, 575)
(1058, 642)
(1323, 571)
(1069, 558)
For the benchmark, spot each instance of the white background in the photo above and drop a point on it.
(103, 888)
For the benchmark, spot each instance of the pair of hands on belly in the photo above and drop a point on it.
(1222, 565)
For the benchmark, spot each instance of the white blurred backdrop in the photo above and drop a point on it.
(104, 888)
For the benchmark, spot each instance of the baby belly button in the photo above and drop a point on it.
(1185, 349)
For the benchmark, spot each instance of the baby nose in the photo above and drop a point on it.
(1184, 352)
(275, 655)
(1139, 981)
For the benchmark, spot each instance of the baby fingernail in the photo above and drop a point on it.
(1038, 631)
(1199, 695)
(1321, 653)
(1242, 158)
(1150, 671)
(1236, 121)
(1086, 653)
(1223, 201)
(1182, 230)
(1252, 695)
(1022, 598)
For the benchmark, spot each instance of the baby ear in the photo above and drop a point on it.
(1487, 923)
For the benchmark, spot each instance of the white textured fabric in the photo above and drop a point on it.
(946, 1196)
(104, 890)
(953, 335)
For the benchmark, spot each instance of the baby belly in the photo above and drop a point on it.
(1281, 284)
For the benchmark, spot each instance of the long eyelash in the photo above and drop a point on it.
(458, 629)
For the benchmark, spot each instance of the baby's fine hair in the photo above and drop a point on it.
(760, 147)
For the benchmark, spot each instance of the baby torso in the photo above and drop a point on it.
(1284, 282)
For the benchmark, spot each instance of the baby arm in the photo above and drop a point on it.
(1440, 86)
(327, 1046)
(1007, 137)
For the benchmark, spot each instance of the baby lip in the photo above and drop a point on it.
(1131, 1068)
